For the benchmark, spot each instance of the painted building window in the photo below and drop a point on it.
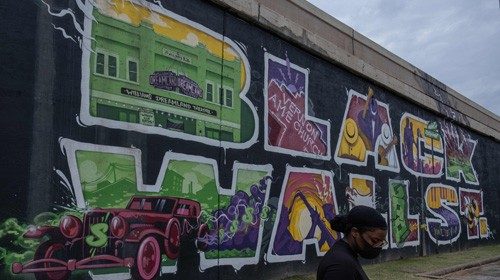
(212, 133)
(99, 66)
(106, 64)
(221, 96)
(132, 70)
(210, 92)
(229, 98)
(226, 97)
(112, 71)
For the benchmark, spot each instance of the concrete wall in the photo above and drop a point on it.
(237, 129)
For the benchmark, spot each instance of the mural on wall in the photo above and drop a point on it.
(191, 83)
(307, 203)
(234, 230)
(289, 127)
(484, 229)
(472, 208)
(405, 227)
(421, 147)
(226, 224)
(366, 130)
(148, 70)
(444, 226)
(459, 151)
(361, 191)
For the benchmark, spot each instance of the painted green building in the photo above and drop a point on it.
(140, 77)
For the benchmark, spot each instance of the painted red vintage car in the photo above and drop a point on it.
(135, 237)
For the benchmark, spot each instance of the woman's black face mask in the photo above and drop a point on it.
(367, 251)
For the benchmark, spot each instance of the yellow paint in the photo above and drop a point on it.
(351, 144)
(135, 14)
(362, 186)
(418, 125)
(483, 226)
(438, 193)
(301, 223)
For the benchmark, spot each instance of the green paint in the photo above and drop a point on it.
(108, 180)
(98, 237)
(232, 229)
(155, 52)
(264, 215)
(248, 216)
(215, 254)
(221, 233)
(455, 165)
(399, 210)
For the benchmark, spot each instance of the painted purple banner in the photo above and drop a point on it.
(169, 80)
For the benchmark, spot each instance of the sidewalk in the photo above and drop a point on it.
(406, 269)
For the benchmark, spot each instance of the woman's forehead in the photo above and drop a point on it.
(377, 233)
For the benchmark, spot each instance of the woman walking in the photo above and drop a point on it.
(365, 232)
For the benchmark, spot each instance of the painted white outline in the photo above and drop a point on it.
(408, 216)
(374, 197)
(270, 256)
(70, 147)
(340, 160)
(441, 220)
(420, 140)
(465, 190)
(460, 171)
(277, 149)
(368, 178)
(89, 120)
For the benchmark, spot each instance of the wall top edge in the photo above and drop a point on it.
(250, 9)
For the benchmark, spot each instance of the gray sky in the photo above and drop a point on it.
(455, 41)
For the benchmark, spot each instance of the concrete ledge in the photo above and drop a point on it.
(438, 274)
(302, 23)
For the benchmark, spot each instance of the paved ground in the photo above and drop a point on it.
(485, 272)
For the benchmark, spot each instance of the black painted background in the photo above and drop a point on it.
(30, 125)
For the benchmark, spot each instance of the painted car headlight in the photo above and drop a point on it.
(118, 227)
(70, 226)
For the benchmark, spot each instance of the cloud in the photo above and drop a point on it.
(456, 41)
(107, 8)
(191, 40)
(156, 19)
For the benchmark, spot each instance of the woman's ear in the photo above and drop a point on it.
(355, 232)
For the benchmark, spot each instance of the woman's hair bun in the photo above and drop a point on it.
(339, 223)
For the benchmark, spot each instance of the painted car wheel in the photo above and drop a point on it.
(173, 240)
(148, 259)
(201, 242)
(52, 250)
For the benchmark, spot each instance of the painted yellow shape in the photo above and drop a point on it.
(135, 14)
(437, 194)
(351, 144)
(301, 223)
(420, 126)
(362, 186)
(483, 226)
